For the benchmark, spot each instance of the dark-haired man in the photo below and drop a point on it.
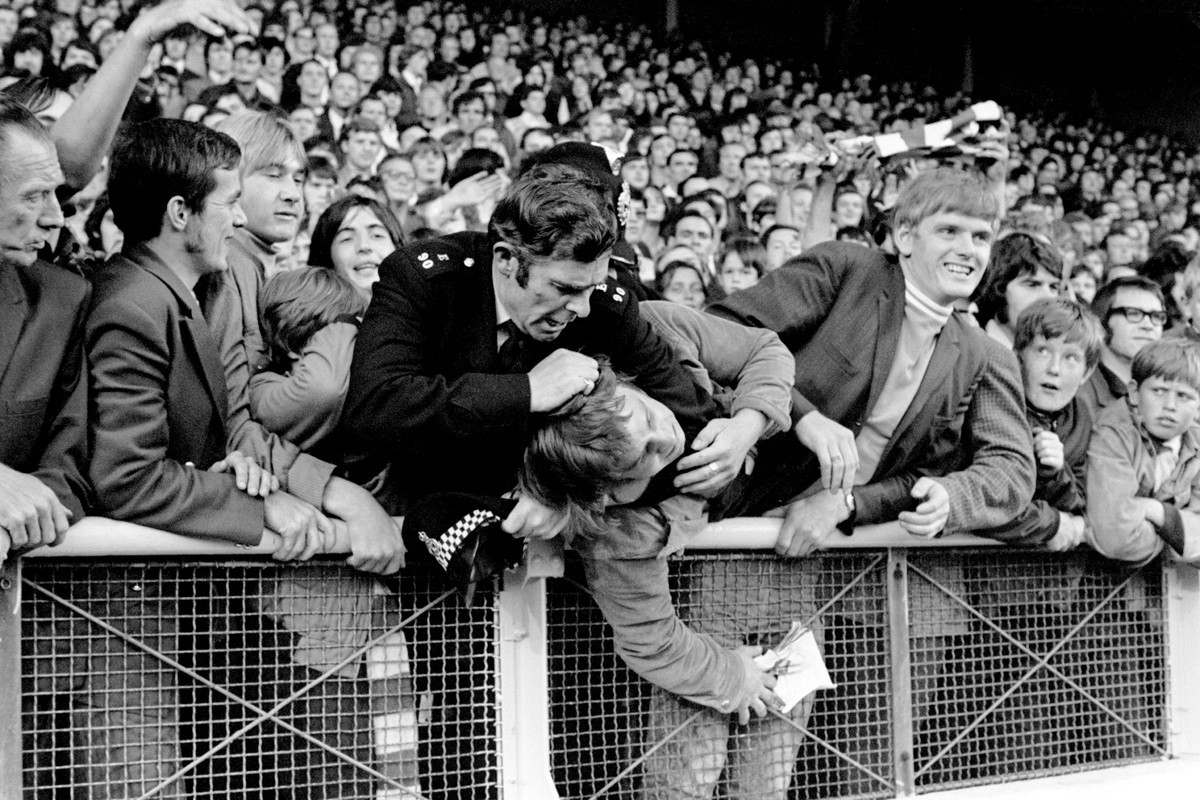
(161, 415)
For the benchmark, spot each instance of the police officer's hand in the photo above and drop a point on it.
(560, 376)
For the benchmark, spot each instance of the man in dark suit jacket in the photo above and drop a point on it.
(162, 413)
(900, 401)
(43, 399)
(158, 387)
(469, 336)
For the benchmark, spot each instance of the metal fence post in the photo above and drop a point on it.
(10, 680)
(523, 684)
(1183, 654)
(902, 716)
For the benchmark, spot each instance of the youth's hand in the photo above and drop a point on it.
(834, 447)
(757, 694)
(374, 537)
(720, 450)
(376, 545)
(1048, 449)
(247, 474)
(301, 527)
(809, 523)
(929, 518)
(532, 520)
(1069, 534)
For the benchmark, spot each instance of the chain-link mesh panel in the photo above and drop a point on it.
(614, 736)
(1027, 665)
(254, 681)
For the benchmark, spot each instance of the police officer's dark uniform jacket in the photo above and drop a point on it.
(428, 391)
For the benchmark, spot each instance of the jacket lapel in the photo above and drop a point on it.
(941, 366)
(890, 318)
(14, 309)
(197, 337)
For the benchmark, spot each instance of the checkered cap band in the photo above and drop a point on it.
(445, 546)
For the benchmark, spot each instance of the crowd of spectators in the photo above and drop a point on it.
(337, 137)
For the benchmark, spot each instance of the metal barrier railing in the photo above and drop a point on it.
(953, 669)
(231, 677)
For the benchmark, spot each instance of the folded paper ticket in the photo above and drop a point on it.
(797, 665)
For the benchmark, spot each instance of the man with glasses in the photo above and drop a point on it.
(1131, 310)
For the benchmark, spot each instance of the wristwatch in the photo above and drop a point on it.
(846, 526)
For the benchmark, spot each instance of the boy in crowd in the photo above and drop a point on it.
(1144, 460)
(1057, 342)
(301, 308)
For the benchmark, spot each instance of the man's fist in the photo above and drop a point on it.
(29, 511)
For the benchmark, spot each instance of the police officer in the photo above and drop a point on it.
(469, 335)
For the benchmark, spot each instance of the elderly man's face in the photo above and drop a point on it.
(30, 216)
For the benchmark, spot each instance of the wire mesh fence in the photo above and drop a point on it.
(1043, 666)
(1021, 665)
(238, 679)
(254, 681)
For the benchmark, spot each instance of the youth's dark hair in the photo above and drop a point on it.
(160, 159)
(1014, 256)
(574, 459)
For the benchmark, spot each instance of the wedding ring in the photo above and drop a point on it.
(713, 466)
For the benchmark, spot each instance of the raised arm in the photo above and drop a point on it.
(85, 131)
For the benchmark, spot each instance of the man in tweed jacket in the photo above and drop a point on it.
(909, 411)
